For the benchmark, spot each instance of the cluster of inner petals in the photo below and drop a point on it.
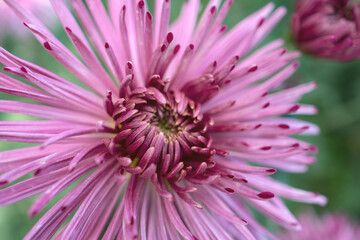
(162, 132)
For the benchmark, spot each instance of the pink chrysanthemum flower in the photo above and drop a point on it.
(328, 28)
(10, 24)
(170, 138)
(334, 226)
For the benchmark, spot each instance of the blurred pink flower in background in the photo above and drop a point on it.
(335, 226)
(328, 28)
(10, 24)
(177, 138)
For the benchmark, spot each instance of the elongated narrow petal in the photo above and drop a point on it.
(329, 226)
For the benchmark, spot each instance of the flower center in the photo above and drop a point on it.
(161, 132)
(344, 10)
(166, 120)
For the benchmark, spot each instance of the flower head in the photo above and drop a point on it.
(328, 28)
(331, 226)
(169, 130)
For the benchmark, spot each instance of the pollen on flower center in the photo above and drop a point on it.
(345, 12)
(167, 120)
(160, 131)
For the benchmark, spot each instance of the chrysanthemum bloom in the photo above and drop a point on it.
(170, 138)
(328, 28)
(10, 24)
(334, 226)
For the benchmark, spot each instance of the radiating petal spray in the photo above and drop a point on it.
(175, 133)
(328, 28)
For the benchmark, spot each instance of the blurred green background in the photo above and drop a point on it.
(336, 174)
